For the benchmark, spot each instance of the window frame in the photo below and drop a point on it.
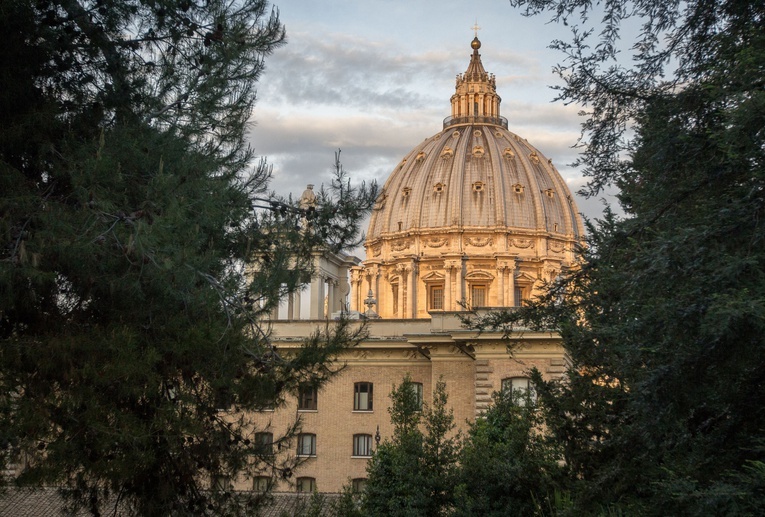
(433, 297)
(519, 394)
(262, 484)
(300, 485)
(362, 443)
(484, 289)
(308, 398)
(301, 449)
(357, 398)
(418, 393)
(358, 485)
(264, 443)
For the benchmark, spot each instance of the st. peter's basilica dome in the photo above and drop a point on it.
(474, 216)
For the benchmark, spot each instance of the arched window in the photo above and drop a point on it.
(358, 484)
(521, 389)
(306, 485)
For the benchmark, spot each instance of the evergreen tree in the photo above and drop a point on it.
(665, 318)
(508, 464)
(414, 473)
(133, 271)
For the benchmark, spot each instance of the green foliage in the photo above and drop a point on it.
(133, 272)
(665, 318)
(507, 464)
(413, 474)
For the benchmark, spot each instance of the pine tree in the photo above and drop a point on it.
(413, 474)
(134, 273)
(664, 320)
(508, 465)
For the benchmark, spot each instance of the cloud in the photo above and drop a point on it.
(377, 99)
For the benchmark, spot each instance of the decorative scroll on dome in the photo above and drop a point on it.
(401, 245)
(508, 153)
(435, 242)
(534, 157)
(478, 151)
(448, 152)
(480, 242)
(522, 243)
(420, 156)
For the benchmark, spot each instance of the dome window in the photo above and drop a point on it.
(420, 156)
(448, 152)
(406, 191)
(478, 151)
(549, 192)
(478, 186)
(518, 188)
(508, 153)
(438, 188)
(534, 157)
(477, 132)
(456, 134)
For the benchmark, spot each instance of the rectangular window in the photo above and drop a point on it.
(264, 444)
(307, 398)
(261, 484)
(306, 444)
(417, 388)
(221, 483)
(306, 485)
(437, 298)
(478, 296)
(362, 396)
(362, 444)
(394, 294)
(518, 296)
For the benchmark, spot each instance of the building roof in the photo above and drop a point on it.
(475, 173)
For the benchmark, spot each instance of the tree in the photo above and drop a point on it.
(508, 464)
(413, 474)
(133, 271)
(665, 318)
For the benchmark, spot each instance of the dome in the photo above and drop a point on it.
(473, 216)
(474, 176)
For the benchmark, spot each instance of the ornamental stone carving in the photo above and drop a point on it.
(480, 242)
(401, 245)
(523, 243)
(436, 242)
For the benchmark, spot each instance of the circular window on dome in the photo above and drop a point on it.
(508, 153)
(406, 191)
(498, 134)
(448, 152)
(549, 192)
(518, 188)
(478, 186)
(438, 188)
(456, 134)
(477, 132)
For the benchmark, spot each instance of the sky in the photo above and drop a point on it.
(373, 78)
